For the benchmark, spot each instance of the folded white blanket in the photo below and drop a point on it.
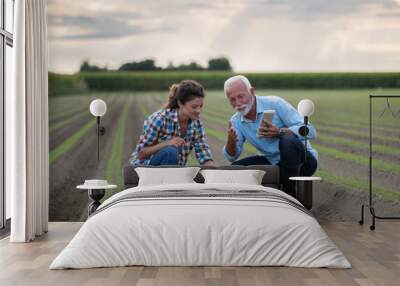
(201, 224)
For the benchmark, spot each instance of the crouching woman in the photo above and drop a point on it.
(170, 134)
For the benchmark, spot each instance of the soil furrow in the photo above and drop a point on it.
(80, 163)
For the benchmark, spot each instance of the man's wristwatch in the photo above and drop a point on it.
(281, 131)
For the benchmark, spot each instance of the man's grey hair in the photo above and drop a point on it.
(236, 78)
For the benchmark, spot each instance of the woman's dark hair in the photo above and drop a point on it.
(183, 92)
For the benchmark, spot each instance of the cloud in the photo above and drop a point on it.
(256, 35)
(101, 19)
(102, 26)
(86, 27)
(313, 10)
(390, 14)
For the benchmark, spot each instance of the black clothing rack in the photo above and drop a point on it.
(370, 205)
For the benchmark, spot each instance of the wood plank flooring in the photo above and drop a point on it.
(375, 257)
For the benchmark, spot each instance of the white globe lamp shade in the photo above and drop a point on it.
(98, 107)
(305, 107)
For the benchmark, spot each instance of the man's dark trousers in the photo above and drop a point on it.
(292, 162)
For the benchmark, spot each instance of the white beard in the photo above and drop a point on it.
(247, 107)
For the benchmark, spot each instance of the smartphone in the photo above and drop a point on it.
(266, 118)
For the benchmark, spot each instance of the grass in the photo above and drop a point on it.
(345, 156)
(67, 113)
(384, 193)
(143, 109)
(115, 160)
(387, 139)
(219, 118)
(344, 106)
(69, 120)
(192, 161)
(69, 143)
(360, 160)
(363, 144)
(377, 129)
(65, 106)
(341, 119)
(223, 115)
(75, 116)
(360, 144)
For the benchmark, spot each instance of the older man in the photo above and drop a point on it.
(279, 143)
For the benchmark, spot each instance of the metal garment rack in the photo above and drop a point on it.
(370, 205)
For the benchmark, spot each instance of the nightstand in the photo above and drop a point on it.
(304, 189)
(96, 190)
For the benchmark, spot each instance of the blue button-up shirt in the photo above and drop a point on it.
(286, 116)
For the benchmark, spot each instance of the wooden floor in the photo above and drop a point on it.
(375, 256)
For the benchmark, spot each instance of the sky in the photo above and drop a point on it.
(255, 35)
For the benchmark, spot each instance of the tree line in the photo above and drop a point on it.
(214, 64)
(81, 83)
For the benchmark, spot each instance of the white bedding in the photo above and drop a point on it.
(200, 231)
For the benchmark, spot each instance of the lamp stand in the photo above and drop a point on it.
(95, 195)
(100, 132)
(303, 131)
(98, 138)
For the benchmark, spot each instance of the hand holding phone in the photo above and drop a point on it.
(266, 120)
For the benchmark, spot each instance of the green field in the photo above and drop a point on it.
(341, 119)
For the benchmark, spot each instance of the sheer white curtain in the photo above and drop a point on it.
(27, 141)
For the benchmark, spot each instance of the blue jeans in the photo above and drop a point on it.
(292, 162)
(166, 156)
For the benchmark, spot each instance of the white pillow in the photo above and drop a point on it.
(166, 176)
(248, 177)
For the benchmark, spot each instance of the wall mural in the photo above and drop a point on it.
(128, 53)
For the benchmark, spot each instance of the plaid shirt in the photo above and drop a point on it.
(162, 126)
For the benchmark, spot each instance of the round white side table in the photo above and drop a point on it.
(95, 193)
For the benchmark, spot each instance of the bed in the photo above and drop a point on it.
(201, 224)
